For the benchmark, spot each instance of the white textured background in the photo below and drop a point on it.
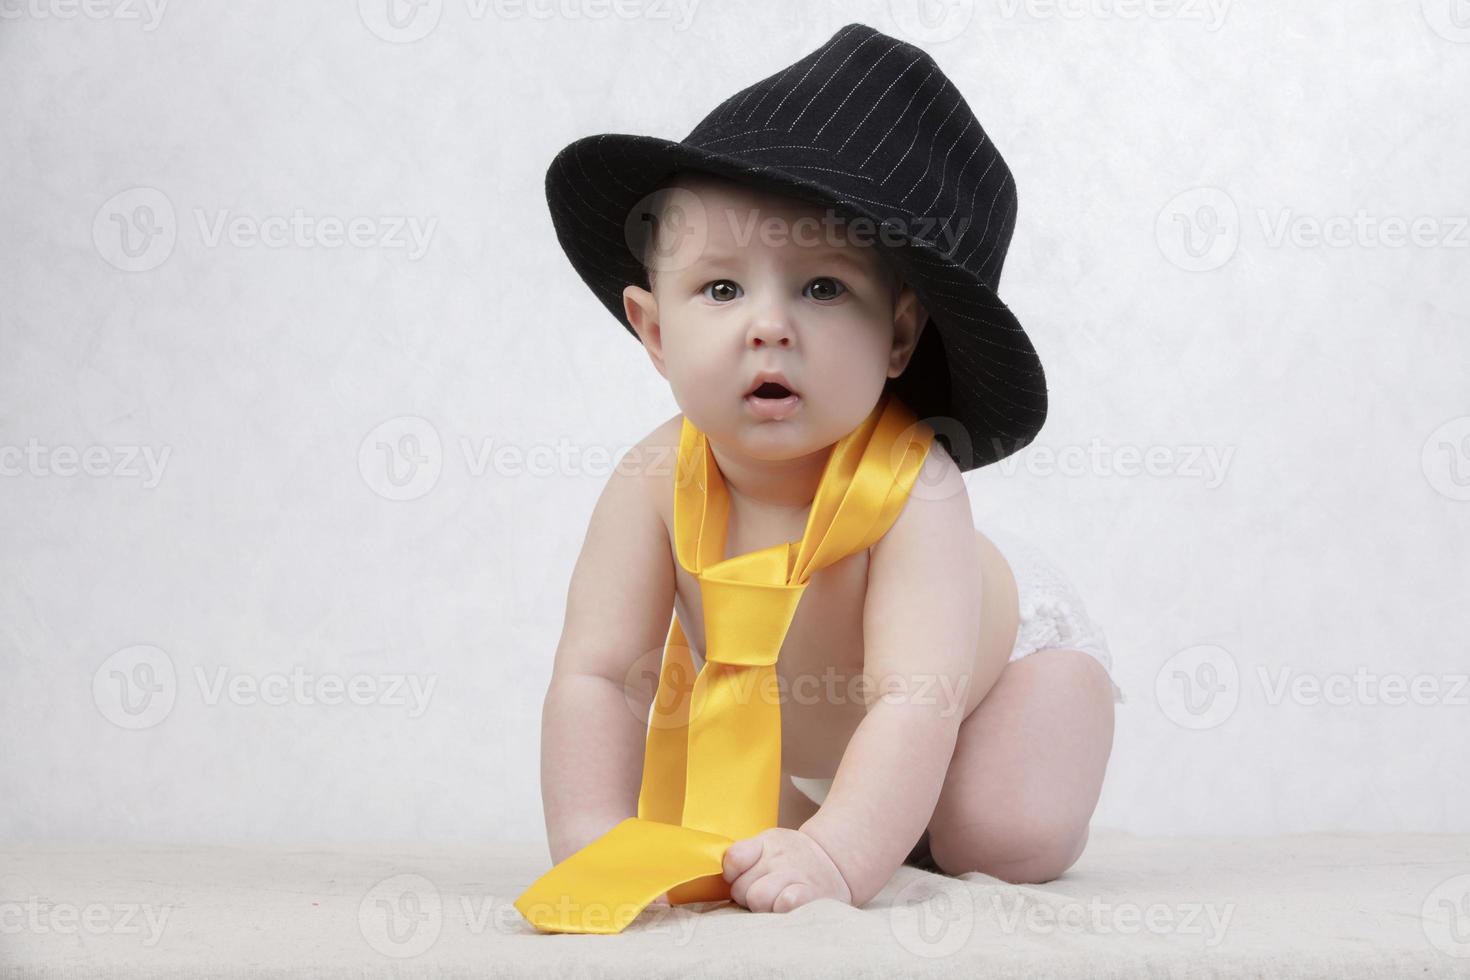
(323, 421)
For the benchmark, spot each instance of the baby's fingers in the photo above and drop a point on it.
(779, 891)
(740, 857)
(793, 896)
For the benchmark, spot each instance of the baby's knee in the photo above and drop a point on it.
(1025, 852)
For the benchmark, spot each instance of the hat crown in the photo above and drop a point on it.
(879, 123)
(870, 126)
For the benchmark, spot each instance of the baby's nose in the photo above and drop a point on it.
(766, 331)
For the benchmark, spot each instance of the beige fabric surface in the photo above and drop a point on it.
(1320, 905)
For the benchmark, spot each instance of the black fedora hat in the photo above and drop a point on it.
(868, 126)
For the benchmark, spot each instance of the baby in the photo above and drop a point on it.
(945, 701)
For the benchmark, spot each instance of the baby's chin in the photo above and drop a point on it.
(766, 447)
(793, 438)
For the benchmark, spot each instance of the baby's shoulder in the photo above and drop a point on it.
(937, 509)
(652, 460)
(666, 433)
(647, 457)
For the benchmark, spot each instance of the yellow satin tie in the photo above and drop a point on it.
(712, 759)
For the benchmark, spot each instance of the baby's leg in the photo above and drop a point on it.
(1027, 770)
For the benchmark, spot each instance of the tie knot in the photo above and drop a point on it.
(745, 623)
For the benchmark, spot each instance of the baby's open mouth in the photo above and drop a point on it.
(772, 401)
(772, 390)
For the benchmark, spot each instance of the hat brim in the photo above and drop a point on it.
(975, 375)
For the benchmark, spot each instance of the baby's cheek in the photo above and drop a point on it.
(712, 376)
(701, 376)
(851, 377)
(706, 393)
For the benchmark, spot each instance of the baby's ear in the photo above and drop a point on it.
(909, 317)
(641, 310)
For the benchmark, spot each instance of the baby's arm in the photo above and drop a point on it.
(921, 629)
(594, 718)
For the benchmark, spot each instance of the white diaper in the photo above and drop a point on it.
(1052, 615)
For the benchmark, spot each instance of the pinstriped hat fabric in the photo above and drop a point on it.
(869, 126)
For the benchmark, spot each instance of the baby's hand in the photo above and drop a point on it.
(781, 869)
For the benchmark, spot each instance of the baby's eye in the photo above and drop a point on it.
(727, 290)
(826, 287)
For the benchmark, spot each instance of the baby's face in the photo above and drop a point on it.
(771, 284)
